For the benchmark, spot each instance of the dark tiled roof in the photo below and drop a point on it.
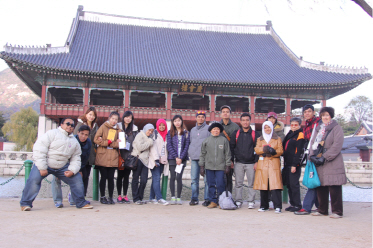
(181, 54)
(350, 144)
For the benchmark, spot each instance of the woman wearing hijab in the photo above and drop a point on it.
(141, 148)
(158, 161)
(268, 170)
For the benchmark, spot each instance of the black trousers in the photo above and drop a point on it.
(123, 180)
(291, 180)
(107, 174)
(276, 198)
(86, 171)
(178, 177)
(142, 173)
(335, 197)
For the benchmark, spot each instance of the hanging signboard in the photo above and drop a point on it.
(192, 89)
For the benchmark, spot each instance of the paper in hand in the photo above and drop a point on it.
(179, 168)
(122, 143)
(111, 134)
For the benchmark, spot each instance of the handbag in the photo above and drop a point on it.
(131, 162)
(311, 178)
(226, 201)
(120, 162)
(320, 151)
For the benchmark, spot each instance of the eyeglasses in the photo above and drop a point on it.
(294, 125)
(69, 124)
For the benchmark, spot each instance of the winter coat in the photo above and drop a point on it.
(107, 155)
(293, 145)
(141, 146)
(197, 135)
(268, 167)
(92, 154)
(172, 146)
(215, 153)
(129, 138)
(242, 149)
(55, 149)
(229, 128)
(279, 129)
(86, 150)
(156, 151)
(333, 171)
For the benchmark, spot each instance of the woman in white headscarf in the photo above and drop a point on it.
(268, 171)
(141, 148)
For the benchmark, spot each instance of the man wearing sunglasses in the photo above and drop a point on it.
(57, 152)
(197, 135)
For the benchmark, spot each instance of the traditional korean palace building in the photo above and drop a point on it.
(158, 68)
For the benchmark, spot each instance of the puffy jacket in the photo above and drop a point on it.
(55, 149)
(215, 153)
(129, 138)
(92, 154)
(279, 129)
(86, 150)
(293, 147)
(197, 135)
(243, 149)
(269, 167)
(172, 146)
(107, 155)
(141, 147)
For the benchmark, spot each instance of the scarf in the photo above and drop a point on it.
(320, 135)
(201, 126)
(163, 133)
(267, 137)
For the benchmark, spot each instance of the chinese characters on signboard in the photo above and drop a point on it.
(191, 88)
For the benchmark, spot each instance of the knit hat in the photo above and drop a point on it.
(307, 106)
(225, 106)
(147, 127)
(201, 113)
(216, 124)
(270, 114)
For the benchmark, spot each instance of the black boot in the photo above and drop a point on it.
(103, 200)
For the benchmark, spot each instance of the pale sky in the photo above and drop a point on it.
(337, 32)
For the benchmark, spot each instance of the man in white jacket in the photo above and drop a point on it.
(57, 152)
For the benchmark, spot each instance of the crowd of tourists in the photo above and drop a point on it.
(217, 152)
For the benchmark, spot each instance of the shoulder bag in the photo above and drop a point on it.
(311, 178)
(131, 162)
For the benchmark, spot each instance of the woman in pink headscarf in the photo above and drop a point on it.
(158, 161)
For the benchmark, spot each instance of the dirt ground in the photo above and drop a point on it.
(177, 226)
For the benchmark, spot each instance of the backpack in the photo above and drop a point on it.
(252, 135)
(226, 201)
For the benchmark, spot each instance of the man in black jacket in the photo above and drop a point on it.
(242, 144)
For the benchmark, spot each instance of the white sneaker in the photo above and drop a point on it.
(239, 204)
(263, 209)
(278, 211)
(251, 205)
(163, 202)
(154, 201)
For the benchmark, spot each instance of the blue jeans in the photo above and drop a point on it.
(57, 191)
(310, 199)
(155, 189)
(33, 185)
(194, 174)
(215, 180)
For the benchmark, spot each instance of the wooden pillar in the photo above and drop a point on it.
(252, 108)
(288, 110)
(323, 103)
(212, 107)
(86, 99)
(168, 105)
(43, 95)
(126, 99)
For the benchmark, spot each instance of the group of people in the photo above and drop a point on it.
(217, 152)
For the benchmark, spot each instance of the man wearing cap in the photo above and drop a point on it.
(216, 159)
(311, 122)
(197, 135)
(229, 128)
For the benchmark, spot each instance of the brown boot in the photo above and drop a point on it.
(25, 208)
(212, 205)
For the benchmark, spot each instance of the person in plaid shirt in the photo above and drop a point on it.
(311, 122)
